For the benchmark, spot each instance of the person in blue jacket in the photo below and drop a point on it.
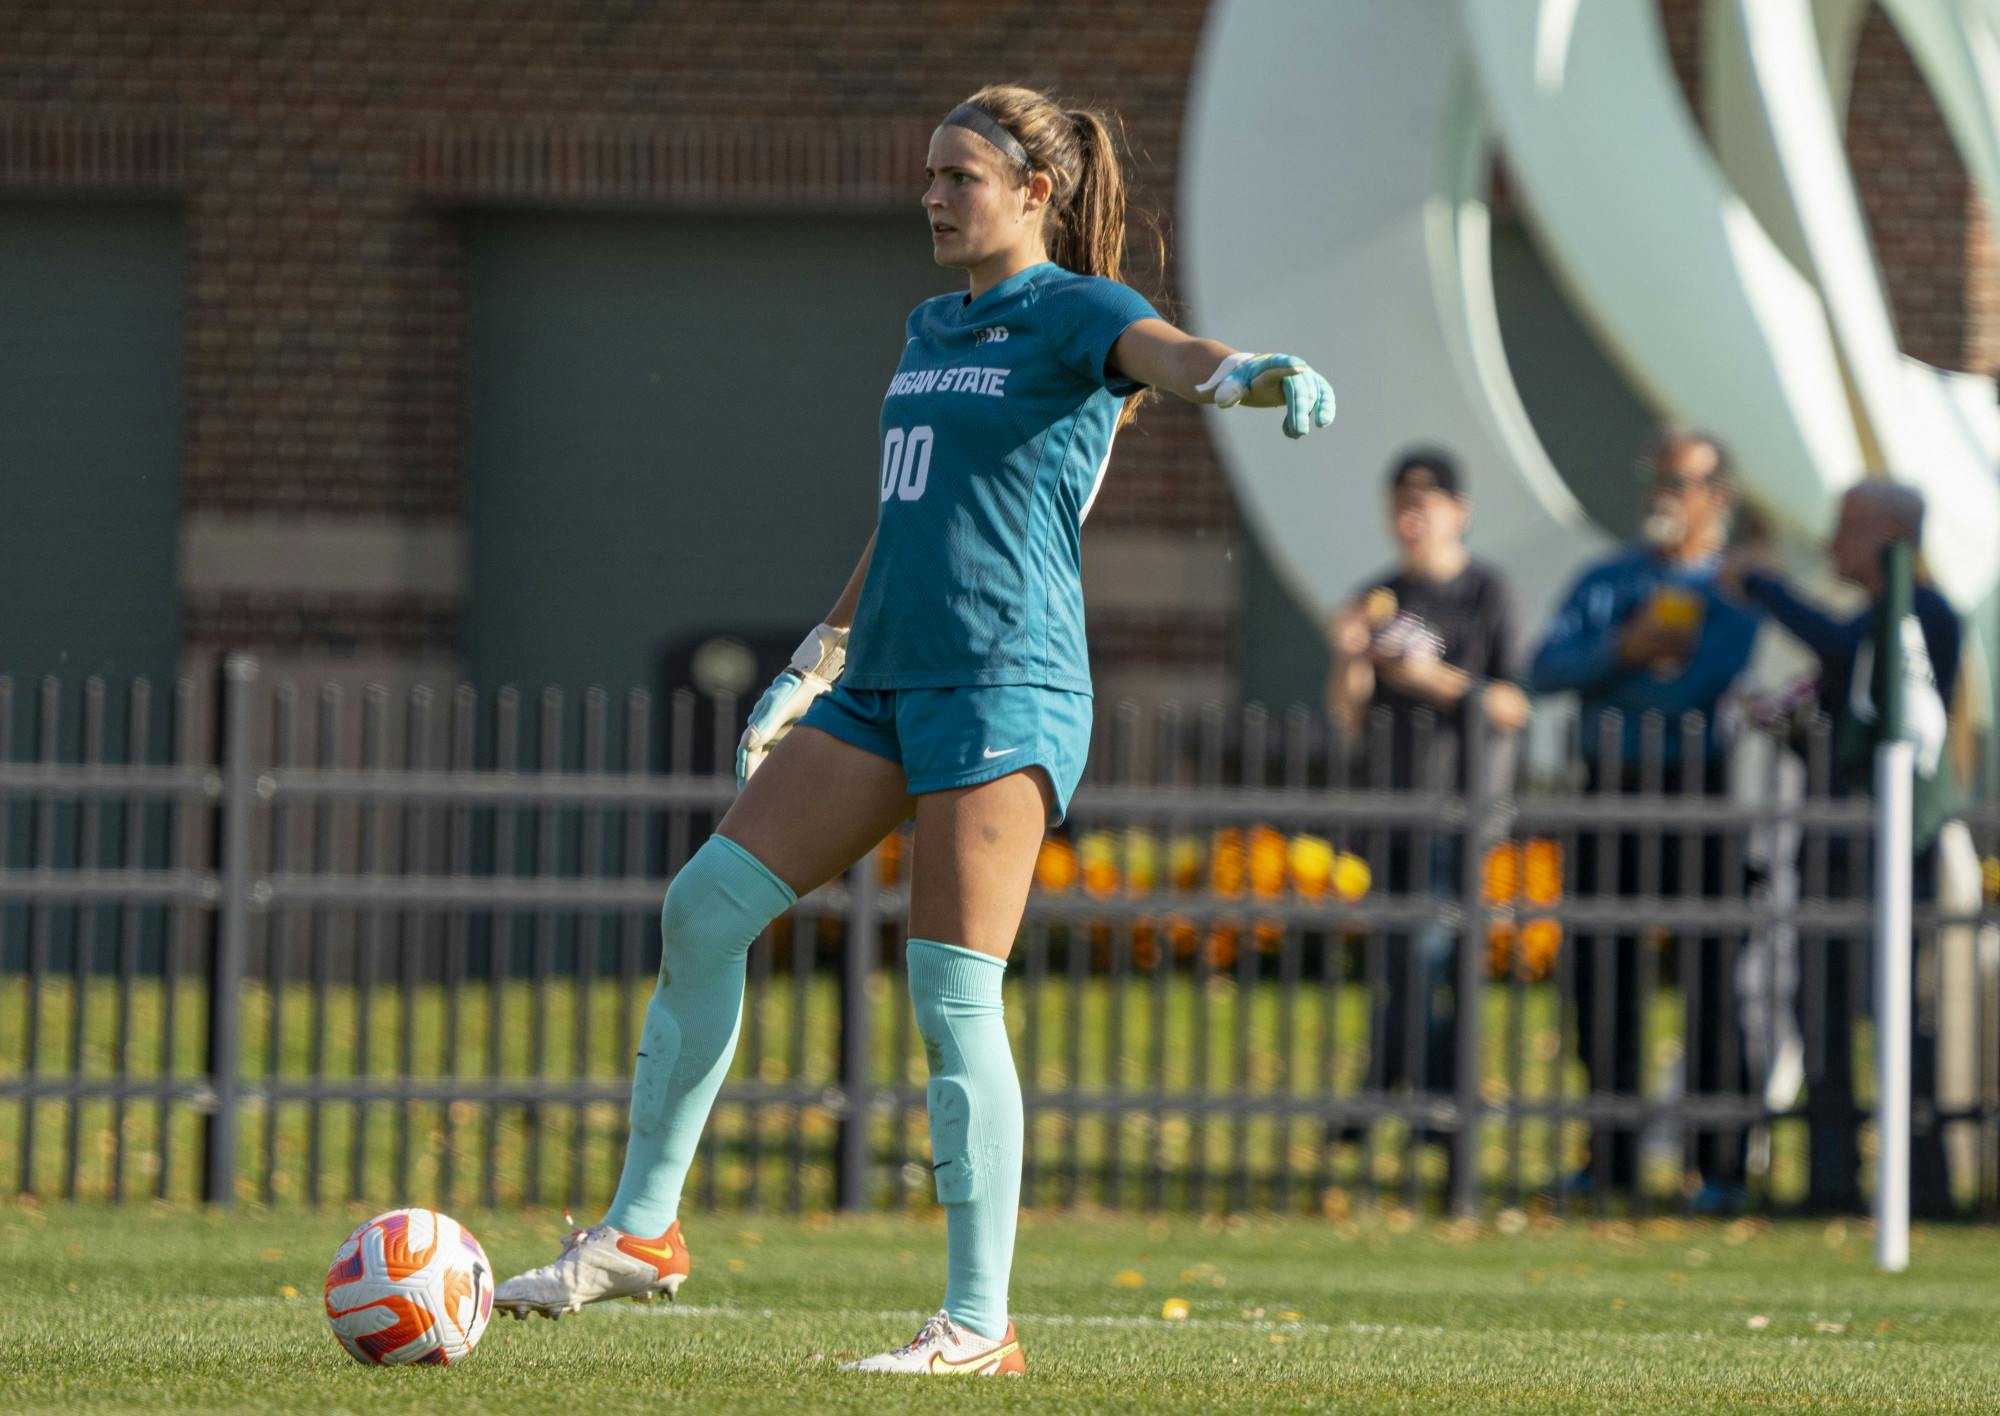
(1645, 636)
(1645, 630)
(949, 681)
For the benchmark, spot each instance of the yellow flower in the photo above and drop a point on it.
(1142, 860)
(1184, 861)
(1351, 877)
(1267, 862)
(1056, 866)
(1311, 859)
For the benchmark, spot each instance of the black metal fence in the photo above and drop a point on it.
(300, 949)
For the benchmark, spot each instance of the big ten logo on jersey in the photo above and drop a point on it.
(992, 334)
(906, 462)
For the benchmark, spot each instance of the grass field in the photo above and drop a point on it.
(169, 1309)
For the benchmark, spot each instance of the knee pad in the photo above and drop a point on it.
(716, 906)
(956, 1151)
(652, 1087)
(956, 994)
(953, 1111)
(678, 913)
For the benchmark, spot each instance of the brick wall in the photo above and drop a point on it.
(322, 146)
(321, 149)
(1917, 199)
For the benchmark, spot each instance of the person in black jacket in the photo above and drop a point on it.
(1409, 649)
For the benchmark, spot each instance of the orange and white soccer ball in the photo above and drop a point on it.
(411, 1285)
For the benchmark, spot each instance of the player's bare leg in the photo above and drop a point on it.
(815, 807)
(975, 855)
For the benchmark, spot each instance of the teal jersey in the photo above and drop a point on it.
(995, 434)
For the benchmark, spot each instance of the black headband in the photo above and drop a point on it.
(976, 119)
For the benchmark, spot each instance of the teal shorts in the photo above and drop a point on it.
(959, 737)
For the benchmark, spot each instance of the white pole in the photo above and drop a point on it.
(1895, 764)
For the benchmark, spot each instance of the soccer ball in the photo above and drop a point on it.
(411, 1285)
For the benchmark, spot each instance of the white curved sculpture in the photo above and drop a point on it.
(1741, 296)
(1352, 231)
(1733, 110)
(1906, 409)
(1686, 288)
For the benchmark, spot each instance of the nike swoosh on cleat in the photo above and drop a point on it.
(940, 1364)
(654, 1252)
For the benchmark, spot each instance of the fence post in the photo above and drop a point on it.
(1894, 770)
(862, 944)
(232, 929)
(1895, 796)
(1470, 992)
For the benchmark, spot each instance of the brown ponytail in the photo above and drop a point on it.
(1078, 149)
(1089, 234)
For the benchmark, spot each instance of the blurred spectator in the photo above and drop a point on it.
(1645, 633)
(1873, 516)
(1409, 650)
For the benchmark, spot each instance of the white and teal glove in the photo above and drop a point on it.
(1268, 380)
(816, 663)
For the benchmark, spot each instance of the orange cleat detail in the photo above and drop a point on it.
(1001, 1360)
(667, 1253)
(944, 1349)
(598, 1263)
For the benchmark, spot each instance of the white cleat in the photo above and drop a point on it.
(944, 1349)
(598, 1263)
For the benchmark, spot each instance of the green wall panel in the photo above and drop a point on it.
(90, 360)
(672, 429)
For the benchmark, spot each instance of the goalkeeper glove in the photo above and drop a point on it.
(1267, 380)
(816, 663)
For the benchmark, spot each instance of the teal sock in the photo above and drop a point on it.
(716, 907)
(974, 1100)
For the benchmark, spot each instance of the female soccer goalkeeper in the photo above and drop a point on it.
(960, 691)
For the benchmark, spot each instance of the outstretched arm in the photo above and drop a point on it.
(1807, 622)
(1154, 353)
